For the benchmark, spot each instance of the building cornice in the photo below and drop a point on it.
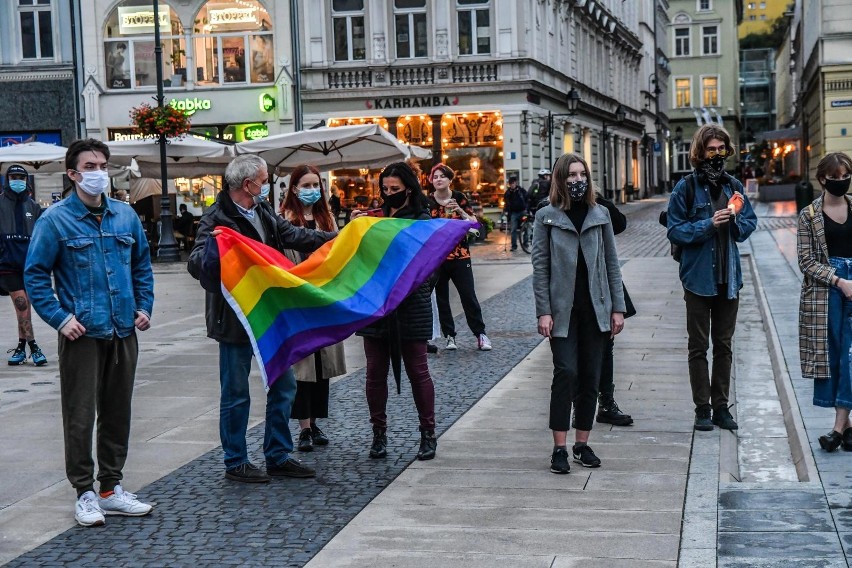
(20, 74)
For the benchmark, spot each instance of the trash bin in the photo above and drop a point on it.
(804, 194)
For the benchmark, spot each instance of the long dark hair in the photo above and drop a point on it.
(558, 188)
(293, 210)
(416, 199)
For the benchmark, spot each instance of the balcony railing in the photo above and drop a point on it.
(350, 79)
(412, 76)
(474, 73)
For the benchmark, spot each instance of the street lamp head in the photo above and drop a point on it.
(620, 114)
(572, 100)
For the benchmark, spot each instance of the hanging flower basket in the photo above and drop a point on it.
(153, 121)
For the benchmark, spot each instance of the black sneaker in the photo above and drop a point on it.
(611, 414)
(431, 347)
(320, 439)
(831, 441)
(290, 468)
(585, 456)
(247, 473)
(379, 448)
(702, 418)
(723, 419)
(306, 440)
(559, 461)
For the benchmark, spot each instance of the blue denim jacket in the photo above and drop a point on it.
(693, 230)
(102, 271)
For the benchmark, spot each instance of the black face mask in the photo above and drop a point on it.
(577, 189)
(395, 200)
(837, 187)
(713, 168)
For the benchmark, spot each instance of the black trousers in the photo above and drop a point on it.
(461, 273)
(710, 317)
(577, 361)
(312, 398)
(96, 380)
(606, 391)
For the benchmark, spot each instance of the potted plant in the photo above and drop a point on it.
(155, 121)
(486, 225)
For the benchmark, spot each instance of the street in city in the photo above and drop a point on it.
(665, 495)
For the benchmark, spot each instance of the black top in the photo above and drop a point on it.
(838, 238)
(582, 293)
(723, 236)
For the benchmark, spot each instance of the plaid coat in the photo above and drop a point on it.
(813, 302)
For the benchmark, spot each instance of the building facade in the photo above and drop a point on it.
(483, 83)
(705, 63)
(760, 15)
(654, 26)
(37, 78)
(757, 90)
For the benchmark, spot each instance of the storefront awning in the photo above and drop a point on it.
(783, 134)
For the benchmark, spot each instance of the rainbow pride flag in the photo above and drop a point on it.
(291, 311)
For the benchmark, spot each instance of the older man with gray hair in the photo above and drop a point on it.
(238, 207)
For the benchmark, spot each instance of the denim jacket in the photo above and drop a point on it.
(693, 230)
(102, 271)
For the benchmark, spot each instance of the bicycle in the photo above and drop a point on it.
(526, 232)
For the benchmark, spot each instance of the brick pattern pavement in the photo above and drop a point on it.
(201, 519)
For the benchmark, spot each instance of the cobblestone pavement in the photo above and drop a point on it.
(202, 519)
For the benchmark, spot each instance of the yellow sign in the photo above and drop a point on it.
(140, 20)
(228, 16)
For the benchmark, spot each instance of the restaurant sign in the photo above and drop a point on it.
(411, 102)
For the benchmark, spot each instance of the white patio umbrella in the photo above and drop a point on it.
(186, 157)
(36, 157)
(359, 146)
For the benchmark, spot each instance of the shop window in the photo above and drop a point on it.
(472, 144)
(682, 41)
(710, 40)
(347, 23)
(410, 22)
(380, 120)
(682, 157)
(232, 43)
(129, 46)
(35, 18)
(474, 27)
(710, 91)
(415, 129)
(683, 92)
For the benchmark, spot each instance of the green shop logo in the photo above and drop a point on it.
(256, 131)
(267, 102)
(189, 106)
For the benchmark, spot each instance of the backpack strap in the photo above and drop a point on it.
(811, 211)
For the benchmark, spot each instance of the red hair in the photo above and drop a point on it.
(293, 210)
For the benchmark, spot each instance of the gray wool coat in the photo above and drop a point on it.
(554, 258)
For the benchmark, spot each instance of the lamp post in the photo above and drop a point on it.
(676, 141)
(572, 101)
(620, 114)
(167, 248)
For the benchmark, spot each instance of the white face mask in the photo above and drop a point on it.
(94, 183)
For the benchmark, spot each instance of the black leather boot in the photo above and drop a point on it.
(379, 449)
(428, 445)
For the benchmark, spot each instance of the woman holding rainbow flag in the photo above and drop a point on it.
(306, 205)
(387, 340)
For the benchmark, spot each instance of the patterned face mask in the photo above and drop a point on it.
(577, 189)
(713, 168)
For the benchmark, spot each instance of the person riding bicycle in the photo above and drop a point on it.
(539, 191)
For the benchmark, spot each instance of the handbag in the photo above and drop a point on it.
(630, 309)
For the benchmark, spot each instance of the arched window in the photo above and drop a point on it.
(129, 46)
(232, 43)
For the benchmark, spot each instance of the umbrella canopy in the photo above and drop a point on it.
(186, 157)
(358, 146)
(36, 157)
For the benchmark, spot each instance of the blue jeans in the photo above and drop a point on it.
(515, 224)
(234, 403)
(836, 391)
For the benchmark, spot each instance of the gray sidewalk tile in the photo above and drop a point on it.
(778, 545)
(782, 520)
(755, 499)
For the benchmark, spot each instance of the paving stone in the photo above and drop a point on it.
(770, 499)
(783, 520)
(778, 545)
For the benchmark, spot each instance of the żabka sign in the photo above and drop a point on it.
(189, 106)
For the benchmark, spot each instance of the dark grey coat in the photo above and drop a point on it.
(554, 259)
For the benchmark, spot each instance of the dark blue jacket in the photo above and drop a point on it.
(18, 214)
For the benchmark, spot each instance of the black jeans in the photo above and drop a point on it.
(461, 273)
(96, 380)
(606, 391)
(576, 372)
(710, 317)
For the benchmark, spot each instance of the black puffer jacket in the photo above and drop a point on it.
(222, 322)
(413, 318)
(18, 214)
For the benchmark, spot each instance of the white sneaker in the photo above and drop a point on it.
(123, 503)
(483, 342)
(451, 343)
(87, 512)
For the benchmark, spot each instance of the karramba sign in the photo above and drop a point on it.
(190, 106)
(140, 19)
